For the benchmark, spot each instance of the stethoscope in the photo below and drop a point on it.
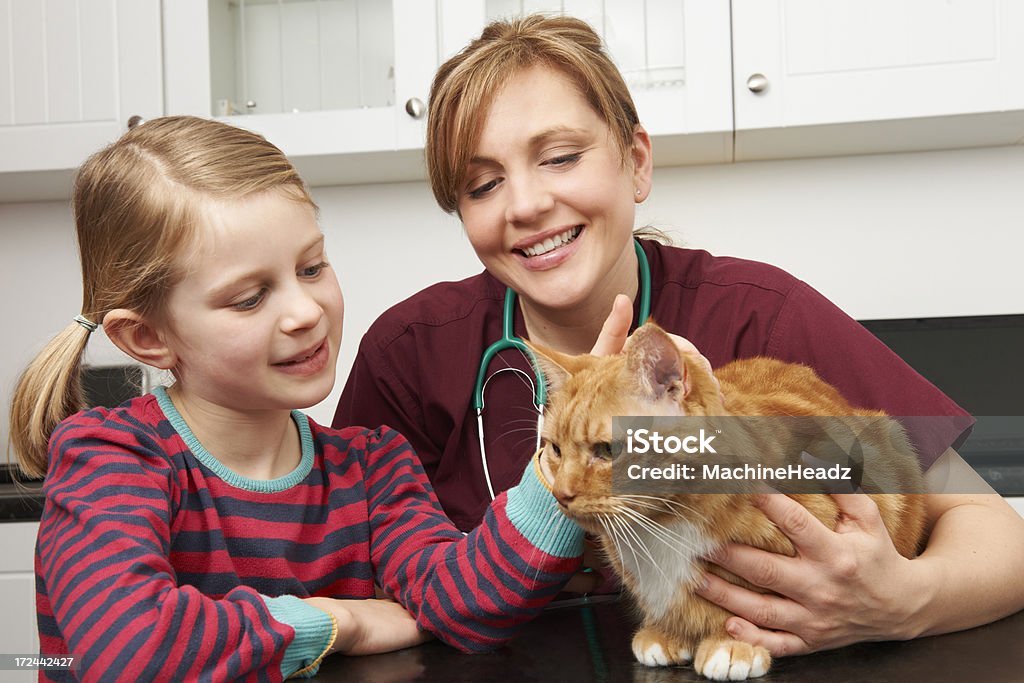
(537, 383)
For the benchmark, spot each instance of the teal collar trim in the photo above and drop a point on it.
(221, 470)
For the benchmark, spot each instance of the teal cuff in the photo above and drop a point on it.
(535, 513)
(312, 626)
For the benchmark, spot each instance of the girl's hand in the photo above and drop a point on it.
(842, 586)
(367, 627)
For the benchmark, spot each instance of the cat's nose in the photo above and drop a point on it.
(564, 496)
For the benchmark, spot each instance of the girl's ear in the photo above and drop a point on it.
(643, 163)
(131, 333)
(654, 360)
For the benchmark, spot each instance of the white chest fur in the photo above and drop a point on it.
(661, 560)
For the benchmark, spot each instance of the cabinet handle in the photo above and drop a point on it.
(415, 108)
(135, 120)
(757, 83)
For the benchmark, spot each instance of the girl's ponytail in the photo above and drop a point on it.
(48, 391)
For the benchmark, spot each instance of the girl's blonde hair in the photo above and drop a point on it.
(137, 204)
(466, 84)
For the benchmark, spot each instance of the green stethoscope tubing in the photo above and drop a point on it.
(509, 340)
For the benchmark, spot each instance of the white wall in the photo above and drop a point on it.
(923, 234)
(883, 236)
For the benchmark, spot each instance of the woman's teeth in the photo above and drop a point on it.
(553, 242)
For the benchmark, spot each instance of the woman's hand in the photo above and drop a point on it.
(367, 627)
(615, 331)
(842, 586)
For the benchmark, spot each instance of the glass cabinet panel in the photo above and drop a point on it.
(645, 39)
(274, 56)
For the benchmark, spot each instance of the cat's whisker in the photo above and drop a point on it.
(671, 506)
(556, 518)
(682, 545)
(643, 548)
(530, 422)
(611, 534)
(526, 382)
(659, 531)
(619, 524)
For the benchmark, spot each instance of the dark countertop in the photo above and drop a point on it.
(592, 643)
(20, 500)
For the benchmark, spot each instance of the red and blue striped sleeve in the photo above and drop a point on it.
(475, 591)
(108, 592)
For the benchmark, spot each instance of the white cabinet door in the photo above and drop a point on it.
(293, 69)
(18, 632)
(71, 74)
(675, 56)
(419, 51)
(843, 76)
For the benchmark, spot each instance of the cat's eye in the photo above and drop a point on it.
(608, 450)
(555, 449)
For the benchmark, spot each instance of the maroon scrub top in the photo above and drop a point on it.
(418, 362)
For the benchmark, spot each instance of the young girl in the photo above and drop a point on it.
(210, 530)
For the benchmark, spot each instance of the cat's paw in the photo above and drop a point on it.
(723, 659)
(652, 647)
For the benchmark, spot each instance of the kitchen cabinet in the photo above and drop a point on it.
(339, 85)
(681, 84)
(833, 77)
(714, 81)
(71, 74)
(18, 632)
(675, 56)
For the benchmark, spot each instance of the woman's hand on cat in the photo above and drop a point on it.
(371, 626)
(843, 586)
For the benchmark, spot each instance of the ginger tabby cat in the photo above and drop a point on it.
(656, 544)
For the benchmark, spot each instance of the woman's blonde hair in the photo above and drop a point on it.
(466, 84)
(137, 204)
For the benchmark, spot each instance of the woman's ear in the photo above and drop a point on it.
(131, 333)
(643, 163)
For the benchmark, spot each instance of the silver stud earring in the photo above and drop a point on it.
(638, 191)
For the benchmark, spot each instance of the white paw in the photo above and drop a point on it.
(721, 667)
(759, 667)
(652, 655)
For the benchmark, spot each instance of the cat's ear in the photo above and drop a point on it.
(654, 359)
(556, 367)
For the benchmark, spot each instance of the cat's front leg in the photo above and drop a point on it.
(722, 658)
(654, 647)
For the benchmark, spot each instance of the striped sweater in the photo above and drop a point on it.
(156, 562)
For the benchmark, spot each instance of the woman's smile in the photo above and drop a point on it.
(551, 251)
